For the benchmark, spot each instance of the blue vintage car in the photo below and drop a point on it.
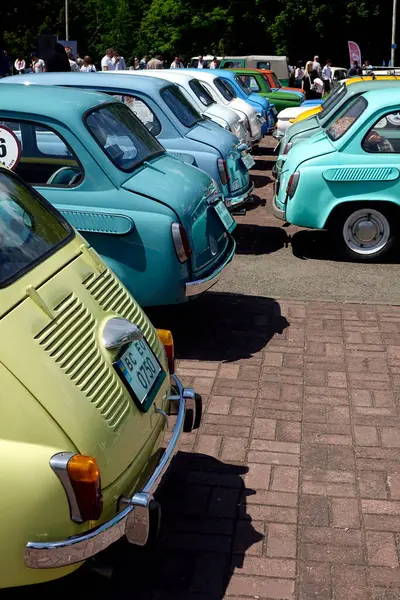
(170, 117)
(346, 177)
(262, 105)
(159, 223)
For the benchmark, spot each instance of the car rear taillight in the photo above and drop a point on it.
(167, 341)
(84, 475)
(292, 184)
(223, 171)
(287, 147)
(181, 242)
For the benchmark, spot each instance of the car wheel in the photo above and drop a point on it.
(365, 234)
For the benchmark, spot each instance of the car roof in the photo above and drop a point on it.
(101, 79)
(368, 85)
(54, 102)
(382, 98)
(252, 70)
(165, 74)
(256, 56)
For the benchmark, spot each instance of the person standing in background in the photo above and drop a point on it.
(308, 82)
(299, 74)
(72, 63)
(326, 76)
(214, 64)
(143, 63)
(316, 66)
(354, 70)
(177, 63)
(201, 63)
(37, 64)
(119, 62)
(58, 61)
(88, 66)
(155, 63)
(107, 62)
(79, 61)
(20, 65)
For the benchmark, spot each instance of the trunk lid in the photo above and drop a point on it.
(185, 189)
(227, 144)
(69, 372)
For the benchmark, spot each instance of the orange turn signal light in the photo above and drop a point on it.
(84, 475)
(167, 341)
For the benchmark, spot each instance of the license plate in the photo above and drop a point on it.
(274, 111)
(140, 370)
(225, 216)
(235, 185)
(248, 161)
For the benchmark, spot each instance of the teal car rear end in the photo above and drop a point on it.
(159, 223)
(347, 178)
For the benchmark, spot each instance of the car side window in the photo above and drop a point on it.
(45, 158)
(142, 110)
(384, 136)
(264, 65)
(251, 82)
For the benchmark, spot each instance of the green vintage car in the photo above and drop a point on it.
(346, 178)
(257, 82)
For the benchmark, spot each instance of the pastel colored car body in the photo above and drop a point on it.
(173, 120)
(89, 391)
(223, 93)
(264, 108)
(159, 223)
(351, 169)
(258, 83)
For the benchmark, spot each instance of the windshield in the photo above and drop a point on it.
(202, 94)
(330, 104)
(225, 89)
(180, 106)
(30, 229)
(347, 119)
(266, 81)
(242, 84)
(121, 135)
(276, 81)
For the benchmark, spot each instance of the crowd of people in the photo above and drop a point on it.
(315, 80)
(63, 59)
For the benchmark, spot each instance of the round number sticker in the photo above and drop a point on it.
(10, 148)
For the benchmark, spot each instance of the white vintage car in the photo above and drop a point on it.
(286, 119)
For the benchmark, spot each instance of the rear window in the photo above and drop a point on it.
(30, 229)
(347, 119)
(244, 87)
(329, 105)
(184, 110)
(225, 89)
(121, 135)
(264, 64)
(202, 94)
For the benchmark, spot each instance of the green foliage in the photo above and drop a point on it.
(298, 28)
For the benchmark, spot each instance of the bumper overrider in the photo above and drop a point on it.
(199, 286)
(133, 521)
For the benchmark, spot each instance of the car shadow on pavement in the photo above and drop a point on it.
(259, 239)
(221, 326)
(204, 536)
(260, 180)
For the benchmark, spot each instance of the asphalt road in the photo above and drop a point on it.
(286, 262)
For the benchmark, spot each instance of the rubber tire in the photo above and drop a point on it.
(337, 222)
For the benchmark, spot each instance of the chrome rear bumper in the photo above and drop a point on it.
(134, 520)
(199, 286)
(232, 202)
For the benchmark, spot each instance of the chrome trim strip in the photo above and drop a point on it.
(132, 521)
(194, 288)
(59, 463)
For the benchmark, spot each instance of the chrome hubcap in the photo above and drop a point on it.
(366, 231)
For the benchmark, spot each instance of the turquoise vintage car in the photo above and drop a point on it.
(346, 178)
(160, 224)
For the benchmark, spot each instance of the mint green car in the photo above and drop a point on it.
(346, 178)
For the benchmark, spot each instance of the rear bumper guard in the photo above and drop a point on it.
(133, 521)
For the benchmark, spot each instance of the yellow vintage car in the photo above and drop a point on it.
(86, 390)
